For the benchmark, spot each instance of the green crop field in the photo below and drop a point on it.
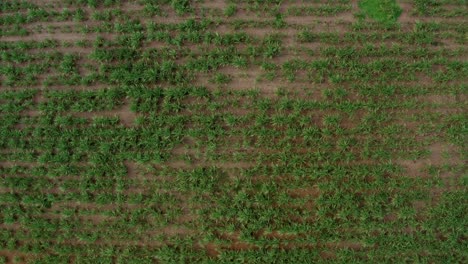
(233, 131)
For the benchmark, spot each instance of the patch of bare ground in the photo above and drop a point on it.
(144, 241)
(126, 116)
(172, 230)
(95, 86)
(93, 206)
(31, 113)
(84, 68)
(425, 81)
(155, 45)
(437, 154)
(327, 255)
(244, 14)
(187, 217)
(345, 17)
(233, 243)
(65, 49)
(288, 57)
(241, 79)
(352, 121)
(38, 98)
(241, 246)
(452, 44)
(59, 36)
(181, 164)
(211, 250)
(214, 4)
(440, 154)
(419, 205)
(167, 19)
(439, 99)
(185, 148)
(252, 79)
(289, 41)
(352, 245)
(7, 164)
(277, 235)
(131, 6)
(79, 87)
(12, 256)
(257, 32)
(405, 16)
(411, 20)
(132, 170)
(313, 191)
(93, 218)
(390, 217)
(57, 25)
(239, 111)
(325, 27)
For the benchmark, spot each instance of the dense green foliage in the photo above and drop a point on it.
(381, 10)
(244, 131)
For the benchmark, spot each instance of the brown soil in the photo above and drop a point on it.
(5, 164)
(214, 4)
(11, 255)
(405, 16)
(241, 246)
(327, 255)
(226, 165)
(57, 36)
(416, 168)
(439, 99)
(211, 250)
(311, 20)
(346, 244)
(301, 193)
(132, 171)
(173, 231)
(126, 116)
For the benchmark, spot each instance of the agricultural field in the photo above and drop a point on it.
(233, 131)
